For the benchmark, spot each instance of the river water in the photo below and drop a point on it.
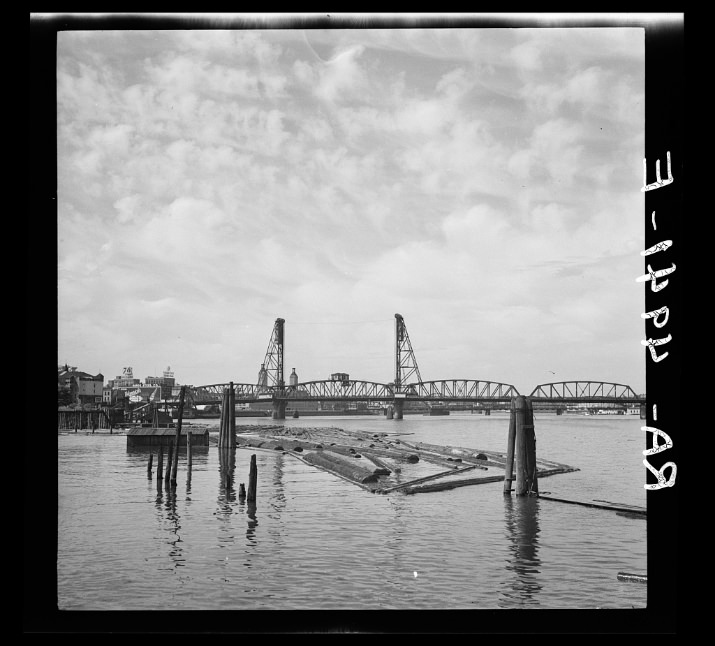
(317, 542)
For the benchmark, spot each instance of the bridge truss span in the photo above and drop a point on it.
(213, 394)
(461, 390)
(336, 390)
(585, 391)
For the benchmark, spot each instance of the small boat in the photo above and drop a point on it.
(437, 410)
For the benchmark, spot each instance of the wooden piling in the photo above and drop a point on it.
(169, 461)
(531, 448)
(509, 467)
(177, 437)
(520, 447)
(242, 491)
(222, 430)
(160, 464)
(188, 452)
(148, 468)
(252, 480)
(220, 422)
(231, 417)
(525, 451)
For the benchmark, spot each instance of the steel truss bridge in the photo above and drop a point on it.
(271, 386)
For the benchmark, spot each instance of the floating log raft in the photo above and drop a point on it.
(381, 463)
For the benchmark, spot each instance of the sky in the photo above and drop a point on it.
(483, 183)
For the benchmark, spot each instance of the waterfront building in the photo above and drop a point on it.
(80, 388)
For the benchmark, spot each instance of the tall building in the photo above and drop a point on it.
(166, 382)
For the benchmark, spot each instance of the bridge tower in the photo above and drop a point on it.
(271, 373)
(405, 364)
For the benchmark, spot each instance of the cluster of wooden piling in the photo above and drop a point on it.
(227, 425)
(521, 450)
(227, 448)
(169, 474)
(75, 420)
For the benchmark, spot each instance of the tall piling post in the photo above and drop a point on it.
(148, 468)
(509, 467)
(520, 447)
(232, 417)
(525, 452)
(177, 437)
(530, 434)
(222, 419)
(252, 480)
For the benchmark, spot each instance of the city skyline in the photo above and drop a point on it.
(483, 183)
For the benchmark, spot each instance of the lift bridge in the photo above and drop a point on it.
(407, 386)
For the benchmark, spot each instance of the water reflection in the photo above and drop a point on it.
(227, 470)
(398, 531)
(167, 514)
(521, 514)
(252, 524)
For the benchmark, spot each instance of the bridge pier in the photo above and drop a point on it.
(399, 405)
(279, 409)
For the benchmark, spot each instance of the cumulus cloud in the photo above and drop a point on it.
(482, 183)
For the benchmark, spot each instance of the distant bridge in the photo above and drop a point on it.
(271, 386)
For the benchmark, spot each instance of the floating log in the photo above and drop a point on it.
(435, 476)
(440, 486)
(404, 456)
(635, 578)
(382, 469)
(336, 464)
(640, 511)
(284, 444)
(492, 458)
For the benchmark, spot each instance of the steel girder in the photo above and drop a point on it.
(441, 390)
(585, 391)
(461, 390)
(330, 389)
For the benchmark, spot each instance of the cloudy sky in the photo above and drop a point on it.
(483, 183)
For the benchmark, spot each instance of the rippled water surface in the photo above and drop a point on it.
(315, 541)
